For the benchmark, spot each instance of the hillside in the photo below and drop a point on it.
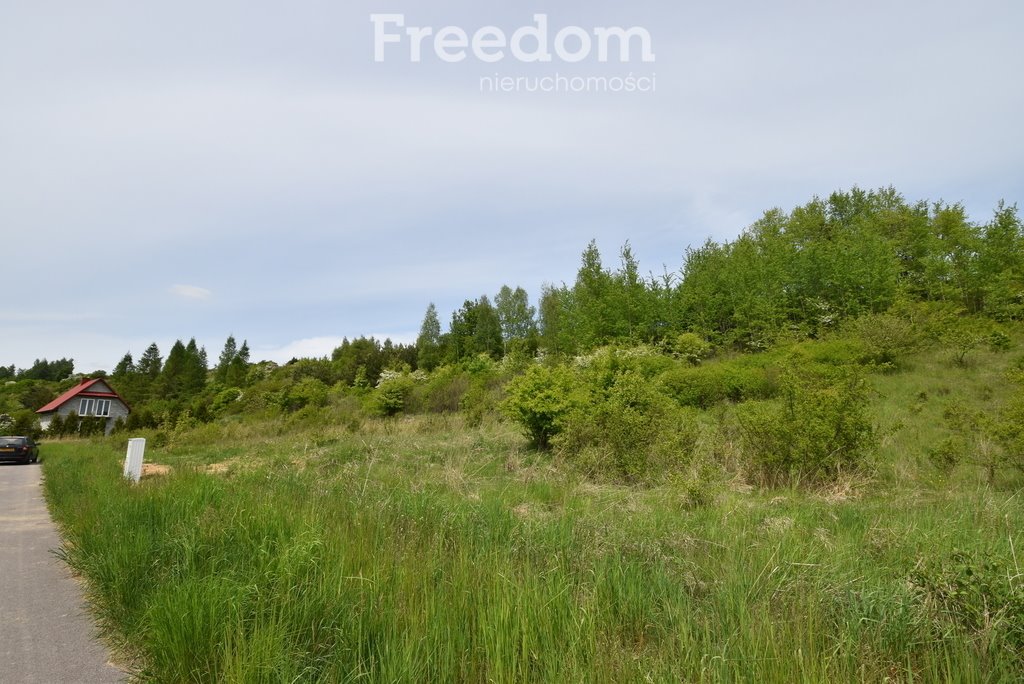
(798, 458)
(442, 547)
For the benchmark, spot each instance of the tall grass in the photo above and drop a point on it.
(418, 550)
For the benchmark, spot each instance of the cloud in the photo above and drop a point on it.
(309, 348)
(190, 291)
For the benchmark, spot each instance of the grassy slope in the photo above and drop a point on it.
(419, 550)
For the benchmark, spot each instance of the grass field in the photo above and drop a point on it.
(418, 549)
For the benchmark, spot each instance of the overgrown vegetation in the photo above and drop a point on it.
(796, 460)
(422, 549)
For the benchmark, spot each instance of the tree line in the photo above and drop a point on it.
(793, 274)
(790, 275)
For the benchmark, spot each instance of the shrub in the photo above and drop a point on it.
(391, 394)
(885, 337)
(976, 593)
(690, 347)
(819, 428)
(630, 430)
(442, 392)
(483, 397)
(999, 341)
(306, 392)
(541, 399)
(225, 399)
(705, 386)
(962, 336)
(991, 440)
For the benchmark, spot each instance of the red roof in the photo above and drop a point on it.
(81, 389)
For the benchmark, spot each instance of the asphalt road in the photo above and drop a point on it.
(45, 633)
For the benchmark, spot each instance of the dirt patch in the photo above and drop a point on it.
(846, 489)
(217, 468)
(155, 470)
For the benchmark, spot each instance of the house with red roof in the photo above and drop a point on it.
(92, 397)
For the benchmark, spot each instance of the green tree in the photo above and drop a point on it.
(124, 367)
(227, 355)
(590, 306)
(516, 317)
(1001, 265)
(475, 329)
(172, 381)
(362, 353)
(49, 370)
(150, 364)
(238, 369)
(194, 373)
(428, 343)
(553, 335)
(487, 333)
(631, 310)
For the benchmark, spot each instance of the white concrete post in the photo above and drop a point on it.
(133, 459)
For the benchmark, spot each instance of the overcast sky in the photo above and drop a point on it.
(180, 169)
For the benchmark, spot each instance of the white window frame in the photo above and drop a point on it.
(102, 408)
(85, 407)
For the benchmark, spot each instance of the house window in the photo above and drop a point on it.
(103, 407)
(85, 407)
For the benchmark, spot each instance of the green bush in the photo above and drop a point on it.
(962, 336)
(630, 431)
(442, 392)
(991, 440)
(541, 399)
(224, 400)
(74, 425)
(690, 347)
(705, 386)
(977, 594)
(308, 391)
(391, 394)
(999, 341)
(885, 338)
(818, 428)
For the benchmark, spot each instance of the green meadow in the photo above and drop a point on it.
(425, 548)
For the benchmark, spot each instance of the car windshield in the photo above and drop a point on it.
(12, 441)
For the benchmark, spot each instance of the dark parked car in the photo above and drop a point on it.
(20, 449)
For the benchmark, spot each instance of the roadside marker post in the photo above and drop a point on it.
(133, 459)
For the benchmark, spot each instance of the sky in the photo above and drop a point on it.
(200, 169)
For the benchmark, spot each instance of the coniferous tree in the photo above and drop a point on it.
(428, 344)
(226, 357)
(150, 364)
(238, 370)
(173, 377)
(48, 370)
(194, 373)
(124, 367)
